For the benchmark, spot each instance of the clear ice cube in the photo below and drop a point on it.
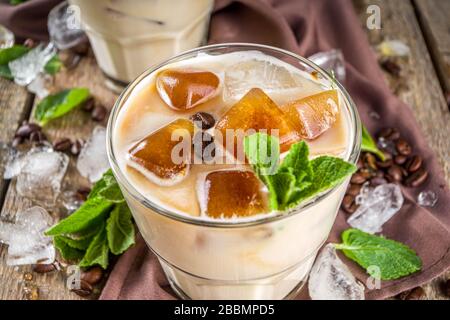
(332, 60)
(161, 156)
(231, 193)
(26, 241)
(376, 207)
(254, 73)
(427, 198)
(184, 89)
(6, 38)
(26, 68)
(64, 26)
(41, 174)
(93, 160)
(330, 278)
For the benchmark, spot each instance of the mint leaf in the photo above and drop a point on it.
(67, 252)
(97, 252)
(394, 259)
(55, 106)
(12, 53)
(80, 244)
(5, 72)
(369, 145)
(53, 65)
(88, 215)
(16, 2)
(120, 229)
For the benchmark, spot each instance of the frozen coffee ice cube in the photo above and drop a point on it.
(231, 193)
(314, 114)
(254, 73)
(256, 112)
(164, 155)
(184, 89)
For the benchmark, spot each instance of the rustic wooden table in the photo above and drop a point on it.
(422, 24)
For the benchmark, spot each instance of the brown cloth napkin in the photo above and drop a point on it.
(27, 19)
(306, 27)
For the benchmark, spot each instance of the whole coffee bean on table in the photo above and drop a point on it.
(44, 268)
(99, 113)
(416, 179)
(414, 164)
(354, 189)
(396, 173)
(84, 290)
(403, 147)
(88, 106)
(92, 276)
(25, 130)
(62, 144)
(400, 159)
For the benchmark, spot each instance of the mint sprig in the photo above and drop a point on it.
(394, 259)
(297, 178)
(103, 224)
(369, 145)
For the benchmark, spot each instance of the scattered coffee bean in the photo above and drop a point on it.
(84, 290)
(393, 135)
(403, 147)
(400, 159)
(446, 288)
(347, 201)
(414, 164)
(62, 145)
(16, 142)
(417, 178)
(99, 113)
(377, 181)
(25, 130)
(366, 173)
(44, 268)
(371, 161)
(354, 189)
(385, 164)
(37, 136)
(206, 120)
(395, 172)
(358, 178)
(93, 275)
(391, 67)
(30, 43)
(415, 294)
(89, 105)
(76, 147)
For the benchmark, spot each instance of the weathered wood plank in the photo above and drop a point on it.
(75, 125)
(434, 17)
(15, 104)
(421, 88)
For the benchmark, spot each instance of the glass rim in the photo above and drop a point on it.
(185, 218)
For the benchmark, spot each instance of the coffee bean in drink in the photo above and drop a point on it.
(204, 119)
(92, 276)
(62, 145)
(403, 147)
(84, 290)
(44, 268)
(99, 113)
(417, 178)
(414, 164)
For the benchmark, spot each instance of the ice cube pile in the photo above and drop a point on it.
(25, 238)
(39, 173)
(376, 206)
(330, 279)
(93, 160)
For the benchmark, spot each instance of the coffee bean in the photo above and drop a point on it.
(99, 113)
(347, 201)
(377, 181)
(417, 178)
(403, 147)
(30, 43)
(414, 164)
(26, 129)
(76, 147)
(358, 178)
(400, 159)
(395, 172)
(352, 208)
(446, 288)
(384, 133)
(385, 164)
(16, 142)
(394, 135)
(415, 294)
(88, 106)
(84, 290)
(391, 67)
(83, 192)
(360, 163)
(92, 276)
(37, 136)
(44, 268)
(371, 161)
(203, 120)
(62, 144)
(354, 190)
(201, 141)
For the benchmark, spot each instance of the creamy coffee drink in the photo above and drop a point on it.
(204, 212)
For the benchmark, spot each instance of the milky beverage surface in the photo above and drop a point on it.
(144, 112)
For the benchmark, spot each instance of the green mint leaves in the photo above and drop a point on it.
(297, 178)
(103, 224)
(16, 51)
(369, 145)
(394, 259)
(57, 105)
